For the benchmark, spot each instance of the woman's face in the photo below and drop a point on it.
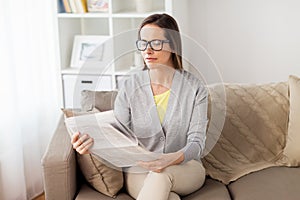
(154, 59)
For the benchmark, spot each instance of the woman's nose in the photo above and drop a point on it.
(148, 49)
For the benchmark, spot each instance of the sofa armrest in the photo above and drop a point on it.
(59, 166)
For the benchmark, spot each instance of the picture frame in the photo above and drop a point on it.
(91, 51)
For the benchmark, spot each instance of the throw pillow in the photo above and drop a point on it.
(292, 148)
(102, 100)
(103, 177)
(253, 135)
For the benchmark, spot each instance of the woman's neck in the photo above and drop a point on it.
(162, 76)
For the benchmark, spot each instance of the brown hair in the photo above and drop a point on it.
(171, 29)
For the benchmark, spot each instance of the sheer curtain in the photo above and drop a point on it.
(30, 94)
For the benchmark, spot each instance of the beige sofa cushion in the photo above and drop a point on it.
(253, 136)
(99, 174)
(292, 148)
(276, 183)
(87, 193)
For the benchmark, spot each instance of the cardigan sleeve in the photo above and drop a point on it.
(122, 109)
(196, 134)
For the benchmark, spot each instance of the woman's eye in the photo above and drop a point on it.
(156, 43)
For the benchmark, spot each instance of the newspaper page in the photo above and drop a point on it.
(110, 143)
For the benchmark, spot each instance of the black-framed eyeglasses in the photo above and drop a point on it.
(156, 45)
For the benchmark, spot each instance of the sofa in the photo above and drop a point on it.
(247, 156)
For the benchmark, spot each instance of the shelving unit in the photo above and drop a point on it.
(120, 22)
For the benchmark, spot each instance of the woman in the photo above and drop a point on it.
(166, 108)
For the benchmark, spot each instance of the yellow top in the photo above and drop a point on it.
(161, 101)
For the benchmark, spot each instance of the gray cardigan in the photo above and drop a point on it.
(185, 121)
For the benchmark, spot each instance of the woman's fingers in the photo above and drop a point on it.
(82, 143)
(79, 140)
(75, 137)
(155, 165)
(84, 147)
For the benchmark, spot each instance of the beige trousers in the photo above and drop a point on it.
(168, 185)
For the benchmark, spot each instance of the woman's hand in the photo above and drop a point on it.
(82, 143)
(164, 161)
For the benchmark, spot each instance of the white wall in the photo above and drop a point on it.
(251, 41)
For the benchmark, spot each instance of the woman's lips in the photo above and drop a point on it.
(151, 59)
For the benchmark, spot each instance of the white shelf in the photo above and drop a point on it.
(93, 71)
(124, 14)
(134, 14)
(82, 15)
(86, 71)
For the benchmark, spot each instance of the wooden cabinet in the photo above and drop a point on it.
(74, 84)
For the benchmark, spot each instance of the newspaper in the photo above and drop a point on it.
(112, 142)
